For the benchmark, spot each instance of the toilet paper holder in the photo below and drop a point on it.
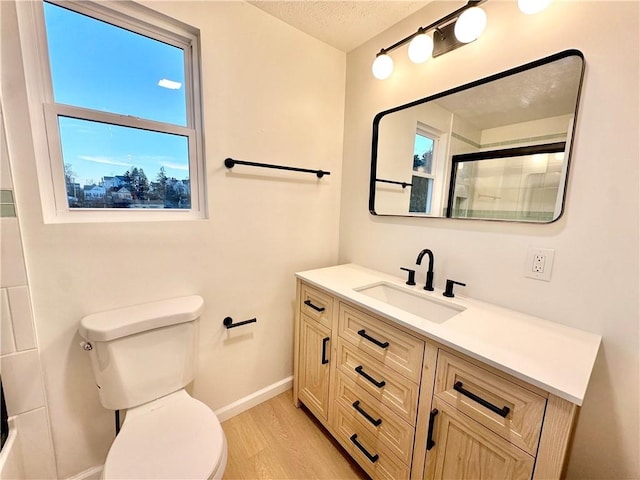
(228, 322)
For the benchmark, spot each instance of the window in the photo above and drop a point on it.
(423, 176)
(122, 113)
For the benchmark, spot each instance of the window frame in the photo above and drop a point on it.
(44, 111)
(438, 160)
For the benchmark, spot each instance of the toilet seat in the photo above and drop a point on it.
(174, 437)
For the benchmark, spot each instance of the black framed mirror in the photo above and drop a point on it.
(495, 149)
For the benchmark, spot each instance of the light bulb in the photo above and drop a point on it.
(533, 6)
(470, 24)
(382, 66)
(420, 48)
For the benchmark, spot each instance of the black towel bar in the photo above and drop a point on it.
(231, 162)
(228, 322)
(404, 184)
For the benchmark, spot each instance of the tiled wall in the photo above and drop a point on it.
(19, 357)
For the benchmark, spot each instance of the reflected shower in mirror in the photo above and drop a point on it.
(495, 149)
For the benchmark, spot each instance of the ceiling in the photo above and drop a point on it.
(344, 25)
(546, 91)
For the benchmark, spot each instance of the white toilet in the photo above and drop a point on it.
(142, 358)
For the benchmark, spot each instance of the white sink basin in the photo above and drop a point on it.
(419, 304)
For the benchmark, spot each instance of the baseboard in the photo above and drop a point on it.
(92, 473)
(256, 398)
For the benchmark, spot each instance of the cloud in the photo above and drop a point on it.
(170, 84)
(175, 166)
(105, 160)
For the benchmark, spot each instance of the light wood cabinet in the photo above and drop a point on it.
(462, 449)
(314, 366)
(392, 347)
(507, 408)
(404, 406)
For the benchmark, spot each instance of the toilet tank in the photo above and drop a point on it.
(143, 352)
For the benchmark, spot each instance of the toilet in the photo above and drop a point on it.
(142, 358)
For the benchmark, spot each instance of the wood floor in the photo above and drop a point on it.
(276, 440)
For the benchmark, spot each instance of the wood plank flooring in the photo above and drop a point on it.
(276, 440)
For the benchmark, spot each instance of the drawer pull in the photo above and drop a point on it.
(432, 419)
(374, 422)
(372, 458)
(378, 384)
(363, 334)
(324, 350)
(503, 412)
(316, 308)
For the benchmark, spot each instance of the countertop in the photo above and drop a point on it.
(554, 357)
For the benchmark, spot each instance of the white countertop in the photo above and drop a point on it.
(554, 357)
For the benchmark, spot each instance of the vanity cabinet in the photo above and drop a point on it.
(314, 338)
(314, 366)
(378, 371)
(483, 425)
(404, 406)
(462, 449)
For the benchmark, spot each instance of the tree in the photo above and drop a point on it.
(137, 183)
(69, 174)
(423, 162)
(161, 180)
(69, 178)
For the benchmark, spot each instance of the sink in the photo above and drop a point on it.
(410, 301)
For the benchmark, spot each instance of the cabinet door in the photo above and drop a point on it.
(315, 350)
(465, 450)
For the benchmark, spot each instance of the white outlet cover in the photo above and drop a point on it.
(545, 274)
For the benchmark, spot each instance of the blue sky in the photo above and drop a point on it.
(422, 144)
(102, 67)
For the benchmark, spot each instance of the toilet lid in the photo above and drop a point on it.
(177, 437)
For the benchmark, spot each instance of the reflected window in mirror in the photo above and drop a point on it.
(422, 178)
(530, 106)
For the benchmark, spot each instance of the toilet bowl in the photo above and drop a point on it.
(174, 437)
(142, 358)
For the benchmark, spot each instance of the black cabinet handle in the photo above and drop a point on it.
(324, 350)
(375, 422)
(503, 412)
(309, 304)
(378, 384)
(372, 458)
(432, 419)
(363, 334)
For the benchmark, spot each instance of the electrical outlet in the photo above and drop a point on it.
(539, 263)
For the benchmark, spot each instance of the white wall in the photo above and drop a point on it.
(271, 94)
(30, 454)
(595, 276)
(396, 144)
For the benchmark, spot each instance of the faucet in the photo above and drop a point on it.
(429, 284)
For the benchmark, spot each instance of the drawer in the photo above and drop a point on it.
(503, 406)
(383, 384)
(367, 449)
(316, 304)
(389, 345)
(379, 421)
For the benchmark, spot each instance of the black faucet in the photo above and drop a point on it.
(429, 284)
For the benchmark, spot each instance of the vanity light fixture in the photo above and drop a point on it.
(460, 27)
(533, 6)
(470, 24)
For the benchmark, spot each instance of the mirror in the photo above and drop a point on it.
(494, 149)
